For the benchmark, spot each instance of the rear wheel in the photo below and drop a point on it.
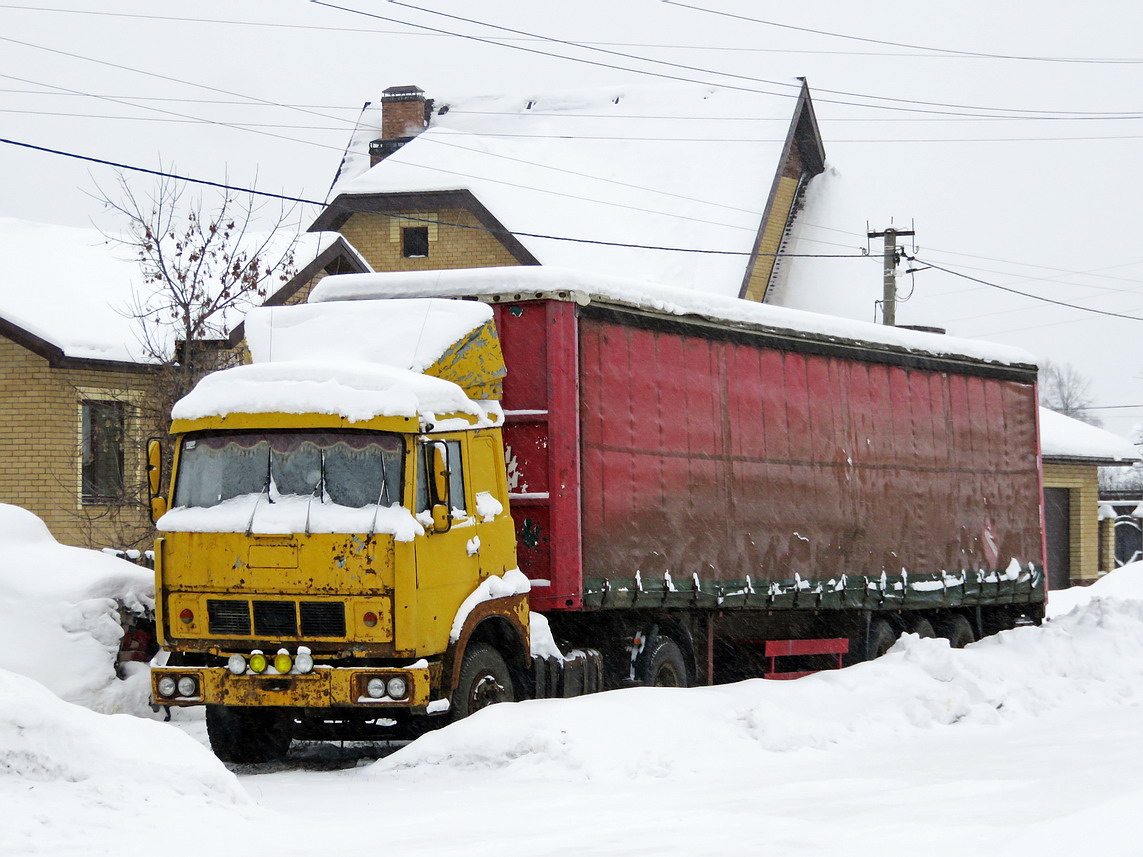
(662, 665)
(484, 680)
(923, 628)
(248, 735)
(957, 630)
(880, 639)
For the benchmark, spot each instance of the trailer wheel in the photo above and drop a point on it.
(662, 665)
(957, 630)
(484, 680)
(881, 639)
(247, 735)
(923, 628)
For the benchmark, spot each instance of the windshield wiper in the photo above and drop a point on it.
(265, 490)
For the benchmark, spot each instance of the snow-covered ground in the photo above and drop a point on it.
(1022, 744)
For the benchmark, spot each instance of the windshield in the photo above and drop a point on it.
(349, 468)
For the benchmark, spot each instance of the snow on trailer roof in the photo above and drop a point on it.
(522, 282)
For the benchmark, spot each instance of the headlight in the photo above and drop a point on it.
(304, 662)
(375, 687)
(236, 664)
(396, 687)
(187, 686)
(283, 663)
(257, 661)
(167, 686)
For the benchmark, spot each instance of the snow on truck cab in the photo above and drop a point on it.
(361, 522)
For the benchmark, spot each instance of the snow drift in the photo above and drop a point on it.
(1090, 655)
(59, 615)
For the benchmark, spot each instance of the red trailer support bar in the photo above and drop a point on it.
(564, 479)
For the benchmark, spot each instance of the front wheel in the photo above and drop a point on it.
(248, 735)
(484, 680)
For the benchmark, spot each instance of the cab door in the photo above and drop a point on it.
(448, 557)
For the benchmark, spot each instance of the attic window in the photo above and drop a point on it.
(414, 242)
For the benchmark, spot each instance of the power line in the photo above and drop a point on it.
(959, 53)
(174, 113)
(413, 218)
(1023, 294)
(190, 121)
(731, 75)
(367, 31)
(665, 76)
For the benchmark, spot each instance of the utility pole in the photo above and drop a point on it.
(889, 294)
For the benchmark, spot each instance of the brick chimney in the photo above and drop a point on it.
(404, 114)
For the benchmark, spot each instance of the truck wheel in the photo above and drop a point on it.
(662, 665)
(484, 680)
(247, 735)
(957, 630)
(881, 639)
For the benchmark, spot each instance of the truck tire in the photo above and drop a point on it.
(662, 665)
(957, 630)
(881, 638)
(484, 680)
(244, 735)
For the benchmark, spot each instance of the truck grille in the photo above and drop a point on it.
(231, 618)
(322, 619)
(275, 619)
(228, 617)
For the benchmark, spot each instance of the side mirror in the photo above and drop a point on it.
(154, 465)
(155, 479)
(439, 502)
(440, 473)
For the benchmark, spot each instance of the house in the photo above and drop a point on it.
(596, 180)
(78, 387)
(1079, 534)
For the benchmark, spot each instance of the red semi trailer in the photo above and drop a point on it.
(705, 489)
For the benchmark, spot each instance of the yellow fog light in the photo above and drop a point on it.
(283, 662)
(257, 662)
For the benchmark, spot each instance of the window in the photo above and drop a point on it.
(414, 241)
(102, 454)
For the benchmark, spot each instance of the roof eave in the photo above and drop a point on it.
(394, 204)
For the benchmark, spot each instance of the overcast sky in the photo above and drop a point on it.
(1010, 139)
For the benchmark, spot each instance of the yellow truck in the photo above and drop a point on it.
(389, 518)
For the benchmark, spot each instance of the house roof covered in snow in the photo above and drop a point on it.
(1066, 439)
(607, 168)
(68, 293)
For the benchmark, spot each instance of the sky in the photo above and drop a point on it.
(1005, 139)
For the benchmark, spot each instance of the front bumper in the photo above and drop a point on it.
(324, 687)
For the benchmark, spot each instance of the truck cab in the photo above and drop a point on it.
(338, 558)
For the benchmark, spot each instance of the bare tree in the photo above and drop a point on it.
(204, 264)
(1066, 391)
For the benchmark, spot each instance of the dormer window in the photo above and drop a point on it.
(415, 242)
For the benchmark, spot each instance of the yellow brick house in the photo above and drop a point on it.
(1079, 544)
